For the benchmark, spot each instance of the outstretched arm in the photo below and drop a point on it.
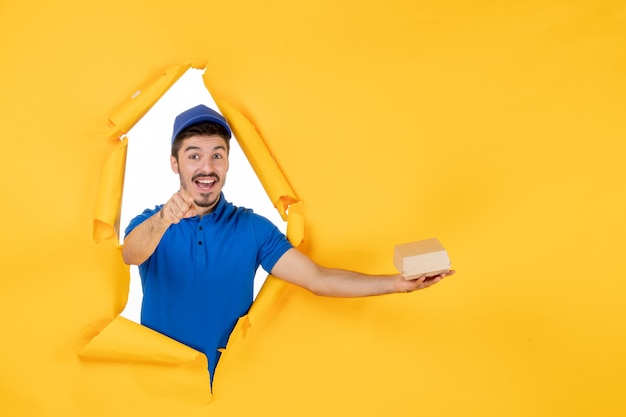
(299, 269)
(143, 240)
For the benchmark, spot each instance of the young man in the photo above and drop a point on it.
(198, 253)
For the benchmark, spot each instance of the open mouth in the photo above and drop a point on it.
(205, 184)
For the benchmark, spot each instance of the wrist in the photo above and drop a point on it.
(397, 284)
(404, 285)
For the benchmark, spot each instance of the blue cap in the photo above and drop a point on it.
(198, 114)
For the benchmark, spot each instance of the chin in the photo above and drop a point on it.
(206, 202)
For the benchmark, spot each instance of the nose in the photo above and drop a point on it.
(207, 165)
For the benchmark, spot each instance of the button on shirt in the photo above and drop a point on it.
(200, 278)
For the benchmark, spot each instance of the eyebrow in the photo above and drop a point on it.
(195, 148)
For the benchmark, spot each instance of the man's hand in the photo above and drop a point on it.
(403, 285)
(179, 206)
(143, 240)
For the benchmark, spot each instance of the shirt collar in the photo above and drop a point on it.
(219, 208)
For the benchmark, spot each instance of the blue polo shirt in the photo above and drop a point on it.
(200, 278)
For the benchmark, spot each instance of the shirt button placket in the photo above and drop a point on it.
(200, 239)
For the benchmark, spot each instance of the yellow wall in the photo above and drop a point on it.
(496, 126)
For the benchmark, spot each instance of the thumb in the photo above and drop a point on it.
(192, 212)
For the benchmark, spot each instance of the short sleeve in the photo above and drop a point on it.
(147, 213)
(272, 242)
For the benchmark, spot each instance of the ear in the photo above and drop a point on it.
(174, 164)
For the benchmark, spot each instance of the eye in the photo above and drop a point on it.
(217, 156)
(194, 156)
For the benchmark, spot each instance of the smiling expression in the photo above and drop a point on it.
(202, 164)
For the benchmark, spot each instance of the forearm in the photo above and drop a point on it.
(342, 283)
(298, 269)
(143, 240)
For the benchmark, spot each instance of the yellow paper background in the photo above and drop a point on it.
(497, 127)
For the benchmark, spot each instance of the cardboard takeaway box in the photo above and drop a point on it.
(423, 257)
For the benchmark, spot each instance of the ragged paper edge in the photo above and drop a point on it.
(142, 100)
(106, 223)
(136, 347)
(271, 177)
(109, 198)
(123, 340)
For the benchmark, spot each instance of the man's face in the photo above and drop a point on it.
(202, 165)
